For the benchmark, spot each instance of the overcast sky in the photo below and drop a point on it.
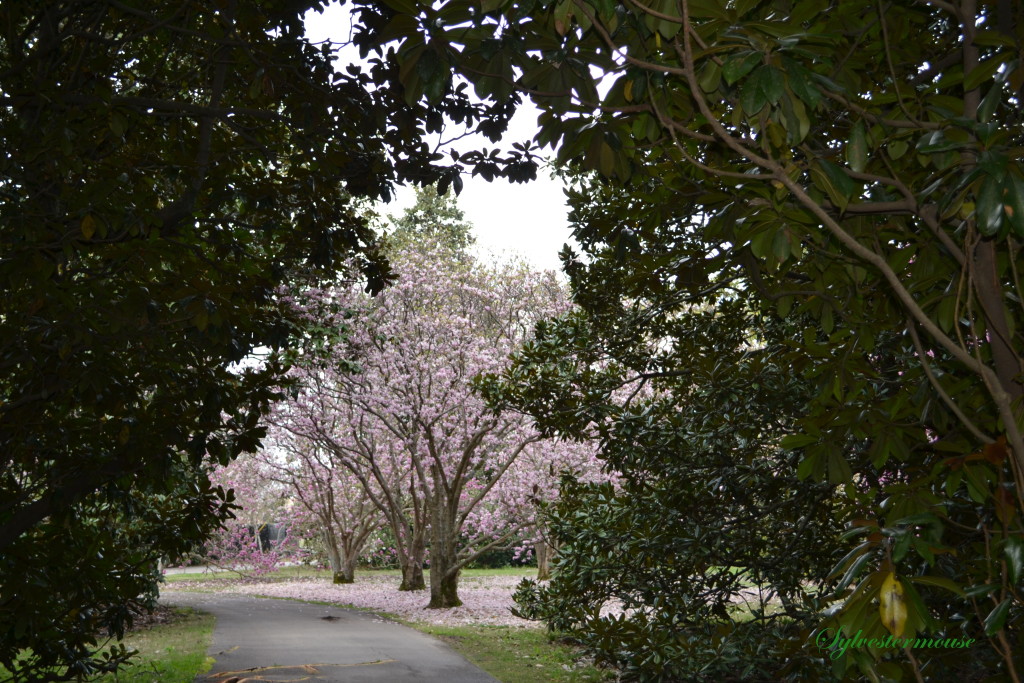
(528, 219)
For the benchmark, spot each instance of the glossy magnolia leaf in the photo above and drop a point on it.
(793, 441)
(1014, 551)
(88, 227)
(800, 82)
(853, 570)
(838, 468)
(563, 17)
(813, 465)
(856, 611)
(934, 142)
(897, 148)
(795, 119)
(781, 246)
(830, 179)
(918, 616)
(772, 83)
(1013, 203)
(892, 607)
(996, 619)
(709, 8)
(765, 86)
(939, 582)
(857, 148)
(710, 76)
(982, 72)
(739, 65)
(752, 97)
(991, 100)
(988, 209)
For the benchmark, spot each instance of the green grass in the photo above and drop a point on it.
(517, 655)
(283, 574)
(168, 653)
(174, 652)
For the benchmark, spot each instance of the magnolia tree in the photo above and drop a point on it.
(260, 502)
(398, 407)
(330, 503)
(528, 488)
(378, 463)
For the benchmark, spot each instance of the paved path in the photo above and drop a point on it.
(261, 639)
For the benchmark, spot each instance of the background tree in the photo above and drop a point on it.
(166, 168)
(331, 505)
(855, 162)
(334, 430)
(407, 406)
(432, 217)
(258, 536)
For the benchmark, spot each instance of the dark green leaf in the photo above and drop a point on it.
(1014, 551)
(988, 207)
(1013, 203)
(857, 148)
(996, 619)
(739, 65)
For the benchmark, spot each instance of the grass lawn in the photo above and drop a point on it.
(168, 653)
(173, 652)
(517, 655)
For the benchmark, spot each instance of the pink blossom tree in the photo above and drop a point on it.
(329, 502)
(530, 484)
(400, 410)
(363, 447)
(239, 544)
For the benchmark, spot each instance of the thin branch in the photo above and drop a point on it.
(946, 398)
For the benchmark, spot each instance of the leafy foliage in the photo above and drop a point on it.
(711, 528)
(853, 167)
(433, 217)
(167, 167)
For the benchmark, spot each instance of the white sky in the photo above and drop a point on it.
(526, 219)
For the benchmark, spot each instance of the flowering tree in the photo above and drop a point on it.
(239, 544)
(330, 500)
(529, 487)
(399, 408)
(380, 467)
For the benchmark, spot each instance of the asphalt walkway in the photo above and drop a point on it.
(267, 640)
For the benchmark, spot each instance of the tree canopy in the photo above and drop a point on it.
(853, 167)
(167, 167)
(433, 217)
(396, 404)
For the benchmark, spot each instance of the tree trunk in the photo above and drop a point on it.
(347, 573)
(412, 565)
(412, 577)
(347, 567)
(444, 578)
(544, 553)
(342, 568)
(444, 588)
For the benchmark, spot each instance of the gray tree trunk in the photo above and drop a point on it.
(444, 578)
(412, 564)
(544, 553)
(342, 568)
